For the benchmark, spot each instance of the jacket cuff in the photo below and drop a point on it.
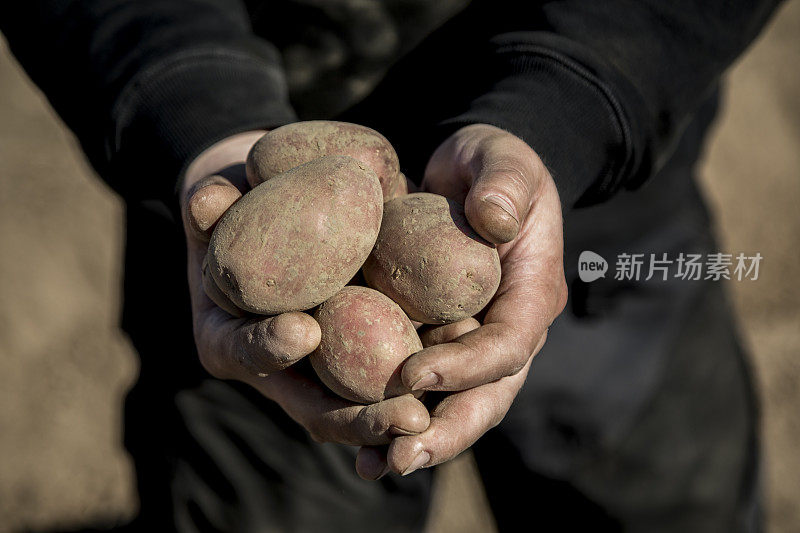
(172, 111)
(564, 112)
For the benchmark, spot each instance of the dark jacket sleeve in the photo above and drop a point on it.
(600, 89)
(147, 84)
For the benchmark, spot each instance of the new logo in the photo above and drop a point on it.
(591, 266)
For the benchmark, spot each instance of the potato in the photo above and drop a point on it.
(294, 144)
(365, 339)
(395, 188)
(292, 242)
(216, 295)
(430, 261)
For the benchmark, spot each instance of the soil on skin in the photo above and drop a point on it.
(65, 366)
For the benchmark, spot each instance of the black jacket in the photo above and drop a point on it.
(600, 89)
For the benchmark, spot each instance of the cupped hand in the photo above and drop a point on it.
(260, 350)
(511, 200)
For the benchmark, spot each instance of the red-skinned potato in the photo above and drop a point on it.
(216, 295)
(294, 241)
(366, 337)
(300, 142)
(396, 187)
(430, 261)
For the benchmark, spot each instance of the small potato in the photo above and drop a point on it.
(294, 241)
(430, 261)
(365, 339)
(294, 144)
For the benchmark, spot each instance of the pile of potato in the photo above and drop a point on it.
(328, 200)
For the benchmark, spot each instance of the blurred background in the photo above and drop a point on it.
(65, 366)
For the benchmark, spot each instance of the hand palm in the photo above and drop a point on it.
(510, 199)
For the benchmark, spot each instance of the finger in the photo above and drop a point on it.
(456, 423)
(514, 328)
(244, 348)
(229, 347)
(532, 293)
(506, 176)
(371, 463)
(208, 200)
(432, 336)
(329, 418)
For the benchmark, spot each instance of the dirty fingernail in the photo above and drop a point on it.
(498, 219)
(418, 462)
(502, 203)
(428, 380)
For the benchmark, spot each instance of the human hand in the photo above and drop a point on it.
(510, 200)
(260, 350)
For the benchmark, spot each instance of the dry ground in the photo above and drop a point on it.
(64, 365)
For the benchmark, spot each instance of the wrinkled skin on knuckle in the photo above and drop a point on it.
(512, 179)
(494, 421)
(472, 419)
(518, 364)
(277, 343)
(251, 350)
(491, 409)
(517, 359)
(505, 343)
(374, 420)
(471, 351)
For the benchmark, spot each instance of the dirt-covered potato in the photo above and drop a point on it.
(216, 295)
(430, 261)
(292, 242)
(365, 339)
(294, 144)
(395, 188)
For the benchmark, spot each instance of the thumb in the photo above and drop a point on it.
(506, 179)
(207, 201)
